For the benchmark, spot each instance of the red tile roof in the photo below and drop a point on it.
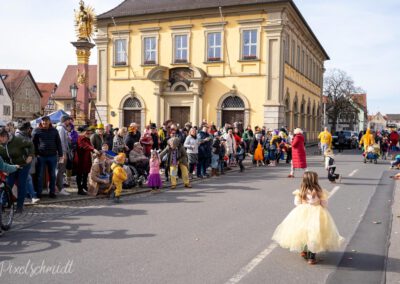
(46, 89)
(69, 78)
(13, 78)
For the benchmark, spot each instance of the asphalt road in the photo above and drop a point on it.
(218, 232)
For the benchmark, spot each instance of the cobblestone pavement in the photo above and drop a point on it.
(50, 209)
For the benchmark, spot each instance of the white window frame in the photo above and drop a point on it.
(68, 106)
(221, 46)
(175, 48)
(22, 107)
(119, 54)
(150, 62)
(6, 110)
(121, 35)
(257, 55)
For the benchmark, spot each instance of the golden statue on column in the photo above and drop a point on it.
(85, 22)
(85, 25)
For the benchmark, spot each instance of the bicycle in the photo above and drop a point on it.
(7, 201)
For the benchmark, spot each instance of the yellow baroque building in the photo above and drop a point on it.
(255, 61)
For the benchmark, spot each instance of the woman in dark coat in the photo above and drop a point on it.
(298, 152)
(83, 159)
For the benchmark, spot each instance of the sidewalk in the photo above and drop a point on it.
(311, 150)
(393, 260)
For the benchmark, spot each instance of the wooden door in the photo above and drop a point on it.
(132, 116)
(231, 116)
(180, 115)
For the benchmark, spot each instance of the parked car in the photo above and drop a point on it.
(350, 142)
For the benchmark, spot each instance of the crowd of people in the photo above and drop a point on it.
(99, 157)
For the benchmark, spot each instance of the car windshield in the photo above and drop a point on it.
(346, 133)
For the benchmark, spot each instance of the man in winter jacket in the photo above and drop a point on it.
(17, 151)
(65, 143)
(97, 139)
(48, 149)
(133, 136)
(205, 142)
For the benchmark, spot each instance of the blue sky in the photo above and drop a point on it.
(361, 37)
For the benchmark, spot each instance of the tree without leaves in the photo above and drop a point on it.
(338, 87)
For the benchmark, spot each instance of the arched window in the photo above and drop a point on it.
(132, 103)
(180, 88)
(233, 102)
(232, 110)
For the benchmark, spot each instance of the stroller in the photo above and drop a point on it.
(372, 154)
(138, 168)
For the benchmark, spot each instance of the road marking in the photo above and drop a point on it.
(260, 257)
(353, 173)
(252, 264)
(334, 190)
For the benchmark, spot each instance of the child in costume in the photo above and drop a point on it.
(396, 162)
(259, 152)
(119, 175)
(309, 228)
(154, 180)
(330, 166)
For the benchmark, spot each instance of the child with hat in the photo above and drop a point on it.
(330, 166)
(119, 175)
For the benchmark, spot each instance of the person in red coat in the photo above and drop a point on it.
(298, 152)
(393, 139)
(83, 159)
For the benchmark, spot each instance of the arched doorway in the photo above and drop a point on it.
(295, 114)
(287, 113)
(233, 110)
(132, 110)
(302, 116)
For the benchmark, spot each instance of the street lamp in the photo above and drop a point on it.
(74, 91)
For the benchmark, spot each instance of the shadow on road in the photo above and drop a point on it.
(51, 234)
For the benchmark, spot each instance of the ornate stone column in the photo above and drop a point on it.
(83, 53)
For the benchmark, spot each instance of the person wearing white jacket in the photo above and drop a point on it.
(192, 149)
(230, 145)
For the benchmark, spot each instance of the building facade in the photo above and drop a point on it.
(5, 103)
(377, 122)
(393, 120)
(24, 93)
(252, 61)
(47, 90)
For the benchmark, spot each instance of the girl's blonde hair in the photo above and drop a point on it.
(310, 183)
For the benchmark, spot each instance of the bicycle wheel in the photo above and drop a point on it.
(7, 209)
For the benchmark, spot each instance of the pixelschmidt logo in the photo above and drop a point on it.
(32, 269)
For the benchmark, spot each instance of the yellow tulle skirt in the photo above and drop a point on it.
(259, 153)
(311, 226)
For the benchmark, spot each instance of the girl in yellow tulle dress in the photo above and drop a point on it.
(309, 228)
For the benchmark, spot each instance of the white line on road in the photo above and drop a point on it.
(252, 264)
(260, 257)
(336, 188)
(353, 173)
